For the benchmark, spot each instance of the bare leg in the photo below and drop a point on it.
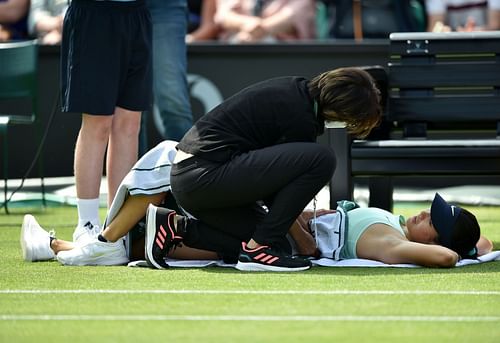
(89, 154)
(183, 252)
(133, 209)
(122, 148)
(58, 245)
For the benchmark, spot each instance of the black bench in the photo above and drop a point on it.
(441, 118)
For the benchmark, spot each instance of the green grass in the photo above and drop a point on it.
(431, 305)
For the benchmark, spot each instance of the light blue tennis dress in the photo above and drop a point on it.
(360, 219)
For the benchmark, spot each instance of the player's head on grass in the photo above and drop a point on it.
(457, 228)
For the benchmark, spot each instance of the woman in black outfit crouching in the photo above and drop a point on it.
(247, 169)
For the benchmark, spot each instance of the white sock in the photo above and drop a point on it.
(88, 211)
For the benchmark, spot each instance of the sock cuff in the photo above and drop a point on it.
(88, 211)
(101, 238)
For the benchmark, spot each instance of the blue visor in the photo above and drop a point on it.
(444, 216)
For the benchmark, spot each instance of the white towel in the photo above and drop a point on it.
(150, 175)
(323, 262)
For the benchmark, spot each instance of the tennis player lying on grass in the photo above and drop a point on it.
(435, 238)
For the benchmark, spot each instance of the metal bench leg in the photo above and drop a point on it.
(381, 192)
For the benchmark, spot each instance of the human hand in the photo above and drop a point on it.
(440, 27)
(470, 26)
(251, 30)
(4, 34)
(54, 37)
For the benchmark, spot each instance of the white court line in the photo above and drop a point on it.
(264, 318)
(259, 292)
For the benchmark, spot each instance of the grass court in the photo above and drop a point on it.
(48, 302)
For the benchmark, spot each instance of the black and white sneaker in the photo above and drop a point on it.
(160, 236)
(264, 258)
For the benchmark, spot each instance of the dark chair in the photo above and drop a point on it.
(18, 75)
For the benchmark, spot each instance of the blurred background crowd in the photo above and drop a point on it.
(247, 21)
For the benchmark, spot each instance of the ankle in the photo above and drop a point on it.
(253, 244)
(106, 236)
(54, 245)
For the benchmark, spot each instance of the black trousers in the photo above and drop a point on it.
(226, 198)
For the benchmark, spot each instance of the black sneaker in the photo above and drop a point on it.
(160, 236)
(265, 259)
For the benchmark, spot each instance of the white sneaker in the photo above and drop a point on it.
(86, 233)
(35, 241)
(95, 253)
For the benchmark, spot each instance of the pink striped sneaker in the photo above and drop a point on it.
(264, 258)
(160, 236)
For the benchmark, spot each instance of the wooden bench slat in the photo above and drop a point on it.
(465, 108)
(452, 74)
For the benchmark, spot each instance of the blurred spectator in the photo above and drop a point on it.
(13, 19)
(202, 25)
(46, 19)
(266, 20)
(463, 15)
(374, 18)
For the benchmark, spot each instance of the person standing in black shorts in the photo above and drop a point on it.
(105, 75)
(248, 168)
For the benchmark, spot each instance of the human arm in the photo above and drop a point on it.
(306, 245)
(278, 18)
(46, 22)
(13, 10)
(494, 19)
(208, 28)
(484, 246)
(382, 243)
(301, 233)
(295, 19)
(232, 17)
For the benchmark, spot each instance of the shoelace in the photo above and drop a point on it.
(52, 236)
(94, 230)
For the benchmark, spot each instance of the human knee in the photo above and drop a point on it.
(97, 127)
(326, 157)
(126, 125)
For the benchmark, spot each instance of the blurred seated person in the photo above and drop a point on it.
(202, 25)
(463, 15)
(248, 21)
(374, 19)
(13, 19)
(45, 20)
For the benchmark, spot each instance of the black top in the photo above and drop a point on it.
(270, 112)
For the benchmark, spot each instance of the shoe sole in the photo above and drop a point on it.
(258, 267)
(150, 236)
(25, 246)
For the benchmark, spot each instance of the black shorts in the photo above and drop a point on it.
(106, 57)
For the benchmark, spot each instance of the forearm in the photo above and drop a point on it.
(494, 20)
(231, 20)
(306, 245)
(282, 21)
(484, 246)
(45, 23)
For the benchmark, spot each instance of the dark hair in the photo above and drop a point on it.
(466, 233)
(349, 95)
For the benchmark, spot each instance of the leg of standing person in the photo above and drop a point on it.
(170, 70)
(105, 74)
